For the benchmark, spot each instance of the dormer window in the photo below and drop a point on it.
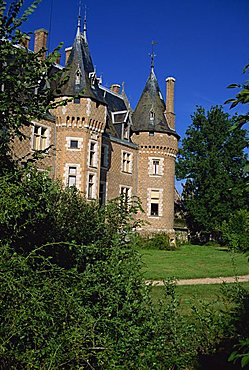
(152, 115)
(92, 76)
(126, 131)
(77, 77)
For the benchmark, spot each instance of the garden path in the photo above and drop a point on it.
(200, 281)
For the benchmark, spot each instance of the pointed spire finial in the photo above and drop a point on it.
(84, 29)
(152, 55)
(79, 21)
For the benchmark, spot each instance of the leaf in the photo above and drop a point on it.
(245, 360)
(232, 86)
(234, 104)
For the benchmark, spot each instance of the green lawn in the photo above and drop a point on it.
(196, 294)
(193, 261)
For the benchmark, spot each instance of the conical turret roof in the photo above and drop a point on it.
(79, 74)
(149, 114)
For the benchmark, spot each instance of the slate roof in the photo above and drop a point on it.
(80, 64)
(150, 104)
(115, 102)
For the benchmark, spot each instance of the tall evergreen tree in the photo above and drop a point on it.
(211, 160)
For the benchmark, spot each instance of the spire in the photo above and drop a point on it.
(80, 75)
(79, 24)
(149, 114)
(84, 28)
(152, 55)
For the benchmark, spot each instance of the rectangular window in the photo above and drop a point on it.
(93, 154)
(154, 203)
(156, 166)
(72, 173)
(40, 137)
(126, 131)
(74, 144)
(90, 190)
(125, 193)
(127, 162)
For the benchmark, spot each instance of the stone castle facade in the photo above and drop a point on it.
(98, 144)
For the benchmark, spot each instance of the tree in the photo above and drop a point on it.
(211, 160)
(242, 97)
(24, 78)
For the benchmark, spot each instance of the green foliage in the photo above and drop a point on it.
(212, 161)
(241, 353)
(24, 79)
(55, 317)
(99, 318)
(35, 210)
(240, 316)
(79, 301)
(235, 231)
(242, 97)
(160, 241)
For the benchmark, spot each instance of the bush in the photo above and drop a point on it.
(101, 318)
(79, 301)
(235, 232)
(159, 241)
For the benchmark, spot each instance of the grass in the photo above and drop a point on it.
(196, 295)
(191, 261)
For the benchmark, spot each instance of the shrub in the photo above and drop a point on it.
(236, 231)
(159, 241)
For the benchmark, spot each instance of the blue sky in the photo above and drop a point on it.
(203, 44)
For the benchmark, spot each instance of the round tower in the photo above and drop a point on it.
(154, 133)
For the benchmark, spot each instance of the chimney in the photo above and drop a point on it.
(25, 41)
(41, 36)
(115, 88)
(68, 52)
(170, 114)
(58, 58)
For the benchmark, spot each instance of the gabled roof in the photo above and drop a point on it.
(149, 114)
(117, 111)
(79, 73)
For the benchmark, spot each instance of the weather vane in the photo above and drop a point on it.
(152, 54)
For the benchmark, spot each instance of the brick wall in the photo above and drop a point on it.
(164, 147)
(22, 150)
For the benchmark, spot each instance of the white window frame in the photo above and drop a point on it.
(72, 138)
(126, 133)
(93, 159)
(152, 168)
(91, 188)
(40, 141)
(77, 174)
(152, 199)
(72, 174)
(126, 162)
(127, 193)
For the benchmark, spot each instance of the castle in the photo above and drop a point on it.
(103, 147)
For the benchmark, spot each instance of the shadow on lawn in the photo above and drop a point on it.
(240, 321)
